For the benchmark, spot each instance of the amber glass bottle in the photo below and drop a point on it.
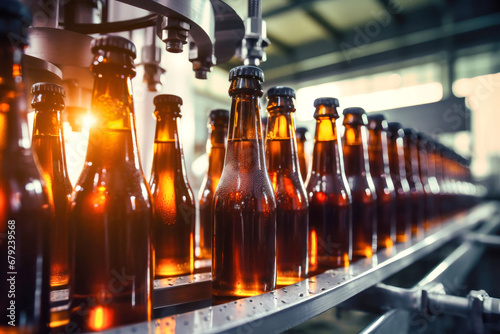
(216, 149)
(292, 227)
(244, 244)
(357, 170)
(423, 172)
(48, 144)
(416, 188)
(111, 211)
(379, 170)
(395, 135)
(301, 133)
(431, 178)
(175, 211)
(330, 230)
(443, 187)
(25, 219)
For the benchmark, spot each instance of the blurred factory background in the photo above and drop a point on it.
(431, 64)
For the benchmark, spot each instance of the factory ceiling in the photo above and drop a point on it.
(314, 38)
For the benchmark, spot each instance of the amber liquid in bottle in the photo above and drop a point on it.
(363, 194)
(416, 188)
(379, 170)
(111, 210)
(402, 188)
(433, 181)
(330, 231)
(301, 141)
(48, 144)
(175, 212)
(428, 198)
(292, 228)
(25, 218)
(216, 147)
(244, 244)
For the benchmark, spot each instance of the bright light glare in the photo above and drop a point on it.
(88, 121)
(381, 100)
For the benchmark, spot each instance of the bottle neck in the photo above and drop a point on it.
(244, 142)
(355, 150)
(216, 148)
(112, 138)
(422, 163)
(47, 122)
(14, 132)
(411, 158)
(397, 158)
(281, 142)
(167, 148)
(326, 152)
(377, 152)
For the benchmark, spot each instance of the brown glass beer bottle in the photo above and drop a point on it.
(416, 188)
(111, 211)
(301, 133)
(357, 170)
(379, 170)
(292, 227)
(175, 211)
(395, 135)
(330, 230)
(244, 243)
(216, 150)
(25, 218)
(432, 178)
(48, 144)
(423, 172)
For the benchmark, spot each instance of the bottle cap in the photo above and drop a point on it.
(47, 87)
(422, 136)
(166, 98)
(355, 117)
(354, 111)
(395, 129)
(113, 42)
(219, 114)
(301, 133)
(326, 101)
(281, 91)
(410, 133)
(377, 122)
(15, 18)
(246, 71)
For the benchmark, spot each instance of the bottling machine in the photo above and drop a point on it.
(210, 33)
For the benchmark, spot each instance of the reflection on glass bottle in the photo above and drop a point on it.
(175, 211)
(25, 219)
(48, 144)
(111, 211)
(423, 173)
(379, 170)
(216, 150)
(292, 227)
(301, 141)
(416, 188)
(355, 146)
(244, 244)
(330, 230)
(395, 136)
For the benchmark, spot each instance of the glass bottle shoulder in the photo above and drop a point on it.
(289, 190)
(123, 183)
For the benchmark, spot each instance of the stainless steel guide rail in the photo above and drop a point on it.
(287, 307)
(450, 272)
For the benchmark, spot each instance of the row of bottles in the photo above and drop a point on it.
(262, 221)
